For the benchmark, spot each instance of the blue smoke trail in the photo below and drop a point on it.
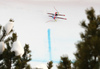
(49, 42)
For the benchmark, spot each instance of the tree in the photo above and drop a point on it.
(88, 49)
(65, 63)
(50, 65)
(8, 59)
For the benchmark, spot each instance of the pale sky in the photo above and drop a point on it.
(30, 24)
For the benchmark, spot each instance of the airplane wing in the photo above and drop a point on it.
(57, 14)
(61, 15)
(61, 18)
(50, 13)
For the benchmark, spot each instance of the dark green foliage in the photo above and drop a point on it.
(21, 62)
(8, 60)
(65, 63)
(50, 65)
(88, 49)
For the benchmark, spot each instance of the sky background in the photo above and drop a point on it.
(31, 26)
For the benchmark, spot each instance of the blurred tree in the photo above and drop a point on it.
(65, 63)
(8, 59)
(88, 49)
(50, 65)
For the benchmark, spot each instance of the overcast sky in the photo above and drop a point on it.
(30, 24)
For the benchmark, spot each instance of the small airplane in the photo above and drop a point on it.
(55, 16)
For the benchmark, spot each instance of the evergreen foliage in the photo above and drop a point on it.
(65, 63)
(8, 60)
(88, 49)
(50, 65)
